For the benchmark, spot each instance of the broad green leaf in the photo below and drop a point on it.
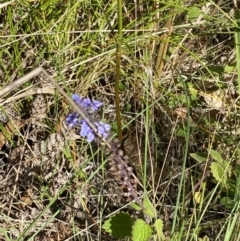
(199, 157)
(142, 231)
(148, 207)
(122, 86)
(218, 172)
(216, 156)
(159, 229)
(67, 153)
(119, 226)
(225, 165)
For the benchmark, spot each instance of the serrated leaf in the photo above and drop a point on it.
(218, 172)
(148, 207)
(216, 156)
(225, 165)
(199, 157)
(119, 226)
(142, 231)
(159, 228)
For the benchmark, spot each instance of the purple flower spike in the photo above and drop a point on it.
(89, 106)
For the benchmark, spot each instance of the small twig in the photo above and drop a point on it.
(20, 81)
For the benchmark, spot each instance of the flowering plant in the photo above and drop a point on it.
(89, 107)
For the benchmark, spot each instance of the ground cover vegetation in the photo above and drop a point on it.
(139, 137)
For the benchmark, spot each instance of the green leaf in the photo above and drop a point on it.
(159, 229)
(218, 172)
(199, 157)
(136, 206)
(142, 231)
(227, 168)
(119, 226)
(122, 86)
(181, 132)
(227, 202)
(193, 92)
(193, 12)
(216, 69)
(216, 156)
(148, 207)
(67, 153)
(230, 68)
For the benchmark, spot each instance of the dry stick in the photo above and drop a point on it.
(20, 81)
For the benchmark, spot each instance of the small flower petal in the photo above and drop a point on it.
(86, 102)
(90, 136)
(96, 104)
(100, 128)
(85, 129)
(107, 127)
(103, 129)
(76, 98)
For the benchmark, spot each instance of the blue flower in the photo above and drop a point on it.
(96, 104)
(77, 99)
(103, 129)
(74, 119)
(86, 131)
(87, 103)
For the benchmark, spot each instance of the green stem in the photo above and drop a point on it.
(237, 42)
(118, 63)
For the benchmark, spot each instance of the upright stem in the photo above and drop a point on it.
(237, 43)
(118, 63)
